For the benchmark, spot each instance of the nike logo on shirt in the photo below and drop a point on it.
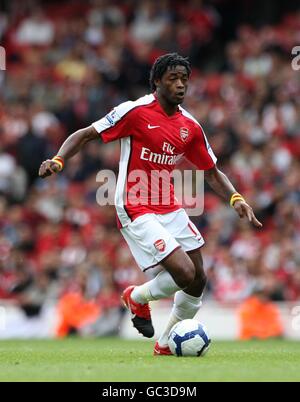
(151, 127)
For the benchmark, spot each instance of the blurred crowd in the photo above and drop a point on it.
(68, 64)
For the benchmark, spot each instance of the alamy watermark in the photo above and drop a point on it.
(2, 58)
(296, 318)
(296, 59)
(2, 318)
(154, 188)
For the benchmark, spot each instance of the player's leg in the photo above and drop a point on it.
(152, 244)
(178, 273)
(186, 302)
(197, 287)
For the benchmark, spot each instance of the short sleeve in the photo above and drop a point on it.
(116, 124)
(199, 151)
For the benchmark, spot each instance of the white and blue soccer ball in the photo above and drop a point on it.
(189, 338)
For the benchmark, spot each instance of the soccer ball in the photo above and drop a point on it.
(188, 338)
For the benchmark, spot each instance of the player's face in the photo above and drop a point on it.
(173, 84)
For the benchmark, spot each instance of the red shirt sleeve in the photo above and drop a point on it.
(116, 124)
(199, 152)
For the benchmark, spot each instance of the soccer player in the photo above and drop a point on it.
(154, 133)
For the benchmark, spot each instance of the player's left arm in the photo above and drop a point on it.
(220, 183)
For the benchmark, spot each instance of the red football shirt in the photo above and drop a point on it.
(151, 144)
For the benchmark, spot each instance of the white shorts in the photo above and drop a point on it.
(152, 237)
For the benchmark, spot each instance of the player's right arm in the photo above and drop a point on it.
(70, 147)
(113, 126)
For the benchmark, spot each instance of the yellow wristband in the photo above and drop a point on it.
(59, 161)
(236, 197)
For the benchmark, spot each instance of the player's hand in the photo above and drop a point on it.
(48, 168)
(243, 209)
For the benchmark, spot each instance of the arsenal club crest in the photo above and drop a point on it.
(184, 133)
(160, 245)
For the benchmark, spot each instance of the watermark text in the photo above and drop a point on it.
(296, 59)
(2, 318)
(296, 320)
(2, 58)
(155, 188)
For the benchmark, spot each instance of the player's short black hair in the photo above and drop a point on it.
(162, 63)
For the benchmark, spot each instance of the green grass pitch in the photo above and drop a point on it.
(113, 359)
